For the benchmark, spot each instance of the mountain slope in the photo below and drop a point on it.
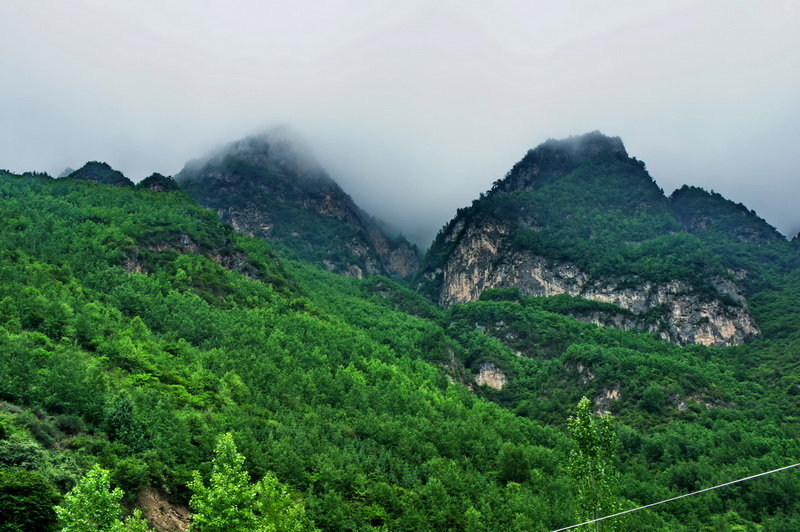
(148, 362)
(581, 217)
(135, 328)
(270, 186)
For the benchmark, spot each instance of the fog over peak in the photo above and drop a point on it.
(413, 107)
(280, 141)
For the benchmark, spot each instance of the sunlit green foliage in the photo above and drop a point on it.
(591, 465)
(93, 506)
(232, 502)
(159, 346)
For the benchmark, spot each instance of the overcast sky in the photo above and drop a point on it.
(415, 107)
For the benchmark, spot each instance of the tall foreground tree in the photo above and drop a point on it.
(591, 465)
(231, 502)
(93, 506)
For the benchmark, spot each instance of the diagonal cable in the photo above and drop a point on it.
(676, 498)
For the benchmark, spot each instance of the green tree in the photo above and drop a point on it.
(231, 502)
(591, 464)
(122, 424)
(653, 398)
(512, 464)
(26, 501)
(93, 506)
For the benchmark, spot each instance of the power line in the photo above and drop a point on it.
(676, 498)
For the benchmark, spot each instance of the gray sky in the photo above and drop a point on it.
(415, 107)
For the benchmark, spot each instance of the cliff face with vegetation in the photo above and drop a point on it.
(673, 310)
(581, 217)
(271, 187)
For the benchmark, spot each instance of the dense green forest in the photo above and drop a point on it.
(144, 345)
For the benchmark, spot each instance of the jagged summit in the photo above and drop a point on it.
(271, 186)
(555, 158)
(100, 172)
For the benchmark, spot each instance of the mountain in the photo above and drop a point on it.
(159, 183)
(581, 217)
(270, 186)
(99, 172)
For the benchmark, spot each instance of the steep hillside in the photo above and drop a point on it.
(744, 242)
(581, 217)
(270, 186)
(136, 328)
(703, 212)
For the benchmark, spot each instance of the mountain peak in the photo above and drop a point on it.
(580, 217)
(270, 185)
(100, 172)
(554, 158)
(159, 183)
(278, 153)
(585, 146)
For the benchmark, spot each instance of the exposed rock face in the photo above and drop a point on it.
(481, 260)
(161, 513)
(491, 376)
(602, 403)
(269, 186)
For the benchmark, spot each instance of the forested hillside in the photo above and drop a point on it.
(138, 331)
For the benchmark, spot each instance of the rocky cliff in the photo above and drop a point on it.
(674, 310)
(270, 186)
(580, 217)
